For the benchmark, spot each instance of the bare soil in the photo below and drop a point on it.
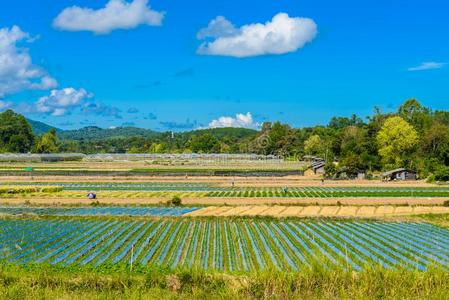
(318, 211)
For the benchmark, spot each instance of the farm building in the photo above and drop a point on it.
(399, 174)
(350, 173)
(317, 163)
(318, 167)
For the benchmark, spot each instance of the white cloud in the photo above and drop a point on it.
(17, 71)
(240, 120)
(117, 14)
(282, 34)
(218, 27)
(430, 65)
(59, 101)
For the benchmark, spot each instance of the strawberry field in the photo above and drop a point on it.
(232, 245)
(97, 211)
(155, 189)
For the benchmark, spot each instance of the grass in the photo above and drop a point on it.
(50, 282)
(436, 219)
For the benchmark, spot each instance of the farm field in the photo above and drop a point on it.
(317, 211)
(97, 211)
(208, 190)
(278, 211)
(230, 245)
(197, 199)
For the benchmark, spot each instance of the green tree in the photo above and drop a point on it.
(414, 113)
(204, 143)
(15, 133)
(314, 145)
(157, 148)
(435, 145)
(47, 143)
(395, 140)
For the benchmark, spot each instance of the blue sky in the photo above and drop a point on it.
(151, 72)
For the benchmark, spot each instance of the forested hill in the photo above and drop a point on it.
(40, 128)
(97, 133)
(220, 133)
(92, 133)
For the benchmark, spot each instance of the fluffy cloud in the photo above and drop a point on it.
(282, 34)
(240, 120)
(218, 27)
(117, 14)
(59, 101)
(17, 71)
(427, 66)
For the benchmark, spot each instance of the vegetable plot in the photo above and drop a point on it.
(155, 189)
(98, 211)
(224, 244)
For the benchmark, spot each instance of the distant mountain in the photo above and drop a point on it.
(219, 133)
(40, 127)
(97, 133)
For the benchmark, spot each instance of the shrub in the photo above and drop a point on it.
(446, 203)
(442, 174)
(95, 203)
(175, 201)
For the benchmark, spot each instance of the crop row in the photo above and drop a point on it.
(325, 192)
(97, 211)
(185, 192)
(224, 244)
(107, 195)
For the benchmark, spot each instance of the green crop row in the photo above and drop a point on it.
(29, 189)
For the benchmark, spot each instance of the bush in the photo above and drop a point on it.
(442, 174)
(446, 203)
(95, 203)
(175, 201)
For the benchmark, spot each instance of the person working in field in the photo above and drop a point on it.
(92, 195)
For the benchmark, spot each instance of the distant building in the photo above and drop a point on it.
(316, 163)
(399, 174)
(318, 167)
(350, 173)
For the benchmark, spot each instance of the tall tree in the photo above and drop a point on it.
(395, 140)
(314, 145)
(47, 143)
(15, 133)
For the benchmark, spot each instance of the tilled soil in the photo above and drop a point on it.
(318, 211)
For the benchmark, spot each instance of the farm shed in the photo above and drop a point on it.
(399, 174)
(318, 167)
(316, 163)
(350, 173)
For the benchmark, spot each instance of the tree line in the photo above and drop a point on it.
(414, 137)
